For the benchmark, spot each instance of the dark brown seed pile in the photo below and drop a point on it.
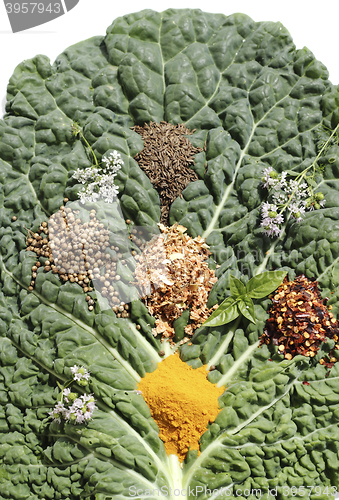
(299, 320)
(166, 160)
(77, 252)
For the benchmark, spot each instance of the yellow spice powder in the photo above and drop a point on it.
(182, 402)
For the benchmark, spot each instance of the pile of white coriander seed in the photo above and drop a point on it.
(78, 252)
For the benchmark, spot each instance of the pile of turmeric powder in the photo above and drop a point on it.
(182, 402)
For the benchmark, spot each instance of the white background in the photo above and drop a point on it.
(313, 24)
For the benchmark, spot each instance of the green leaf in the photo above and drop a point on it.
(179, 325)
(255, 101)
(246, 307)
(226, 312)
(263, 284)
(237, 288)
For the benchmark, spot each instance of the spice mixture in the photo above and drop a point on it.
(77, 252)
(166, 160)
(170, 271)
(182, 402)
(173, 277)
(299, 320)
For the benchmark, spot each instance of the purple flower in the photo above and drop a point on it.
(270, 177)
(271, 219)
(58, 412)
(80, 373)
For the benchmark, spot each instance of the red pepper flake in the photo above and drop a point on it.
(305, 382)
(299, 320)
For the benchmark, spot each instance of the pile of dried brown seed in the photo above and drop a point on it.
(77, 252)
(172, 276)
(166, 159)
(299, 320)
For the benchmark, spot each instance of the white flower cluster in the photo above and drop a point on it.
(271, 219)
(99, 181)
(80, 374)
(78, 409)
(285, 194)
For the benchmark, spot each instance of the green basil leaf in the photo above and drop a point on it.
(237, 287)
(263, 284)
(246, 307)
(226, 312)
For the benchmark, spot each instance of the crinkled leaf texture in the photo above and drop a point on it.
(255, 101)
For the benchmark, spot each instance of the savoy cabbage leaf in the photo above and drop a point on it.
(255, 101)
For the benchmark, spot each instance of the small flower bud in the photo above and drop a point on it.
(273, 174)
(82, 382)
(319, 196)
(72, 396)
(297, 215)
(317, 206)
(272, 214)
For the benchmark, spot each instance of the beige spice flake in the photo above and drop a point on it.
(173, 276)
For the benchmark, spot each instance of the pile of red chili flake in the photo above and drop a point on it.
(299, 320)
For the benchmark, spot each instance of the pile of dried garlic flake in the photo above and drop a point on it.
(172, 276)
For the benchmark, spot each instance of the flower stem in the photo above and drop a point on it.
(302, 174)
(77, 131)
(325, 145)
(91, 150)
